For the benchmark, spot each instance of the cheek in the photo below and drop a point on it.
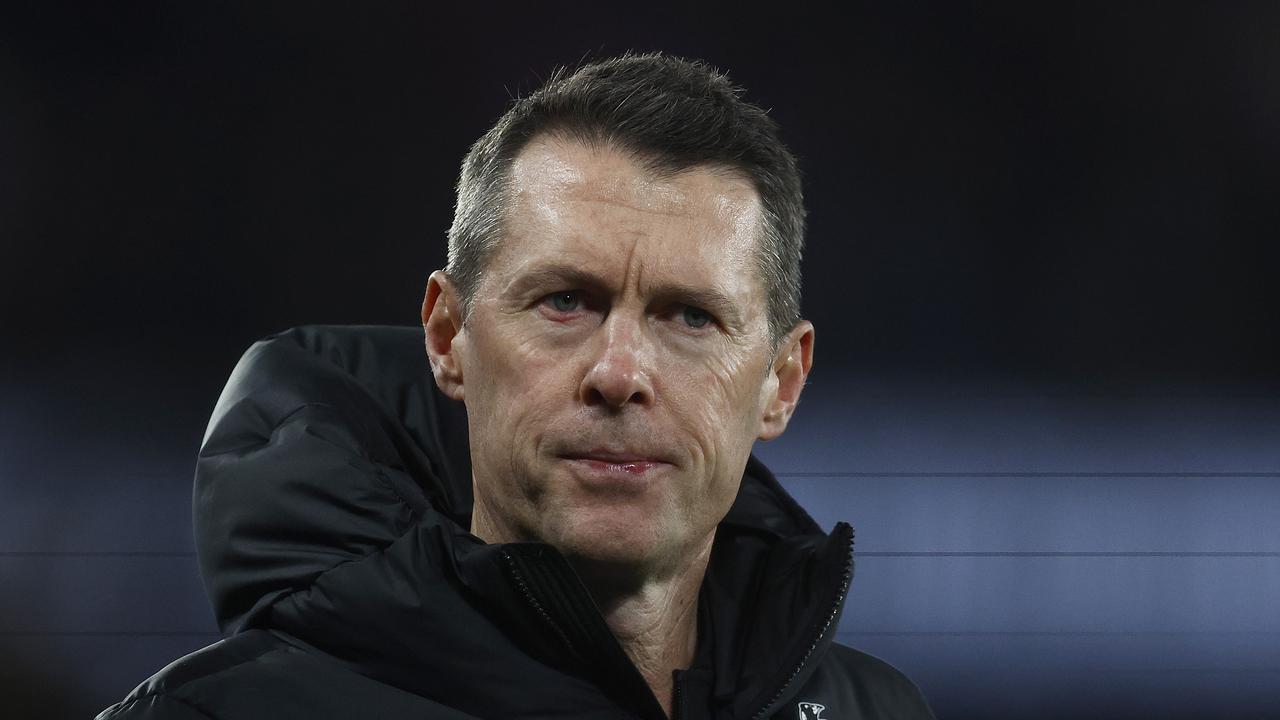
(512, 386)
(720, 402)
(719, 407)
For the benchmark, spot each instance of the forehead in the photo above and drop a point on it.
(601, 207)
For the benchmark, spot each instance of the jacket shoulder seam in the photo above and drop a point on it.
(169, 693)
(166, 695)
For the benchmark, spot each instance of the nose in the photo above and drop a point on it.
(619, 373)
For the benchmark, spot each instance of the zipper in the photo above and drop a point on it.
(845, 579)
(533, 600)
(677, 699)
(522, 583)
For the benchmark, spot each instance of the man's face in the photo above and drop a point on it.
(616, 359)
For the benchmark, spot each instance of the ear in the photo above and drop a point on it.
(786, 380)
(445, 338)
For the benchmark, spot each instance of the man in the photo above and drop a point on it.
(620, 318)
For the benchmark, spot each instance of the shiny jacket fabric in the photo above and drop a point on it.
(332, 497)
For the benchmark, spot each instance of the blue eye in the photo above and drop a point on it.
(565, 301)
(696, 317)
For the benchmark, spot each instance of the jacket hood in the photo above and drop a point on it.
(332, 497)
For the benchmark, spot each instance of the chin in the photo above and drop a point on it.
(609, 542)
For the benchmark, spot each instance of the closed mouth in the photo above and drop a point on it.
(615, 463)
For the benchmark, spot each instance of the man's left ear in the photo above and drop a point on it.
(786, 380)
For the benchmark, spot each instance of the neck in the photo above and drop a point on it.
(653, 613)
(654, 618)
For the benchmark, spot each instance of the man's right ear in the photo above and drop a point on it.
(442, 324)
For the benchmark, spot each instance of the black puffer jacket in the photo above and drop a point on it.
(332, 495)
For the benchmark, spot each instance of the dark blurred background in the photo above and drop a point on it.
(1042, 263)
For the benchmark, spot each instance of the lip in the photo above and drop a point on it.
(631, 467)
(606, 464)
(606, 454)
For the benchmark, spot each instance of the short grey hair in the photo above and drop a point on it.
(671, 114)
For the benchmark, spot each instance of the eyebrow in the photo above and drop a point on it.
(554, 276)
(560, 275)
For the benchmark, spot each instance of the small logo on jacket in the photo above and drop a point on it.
(811, 711)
